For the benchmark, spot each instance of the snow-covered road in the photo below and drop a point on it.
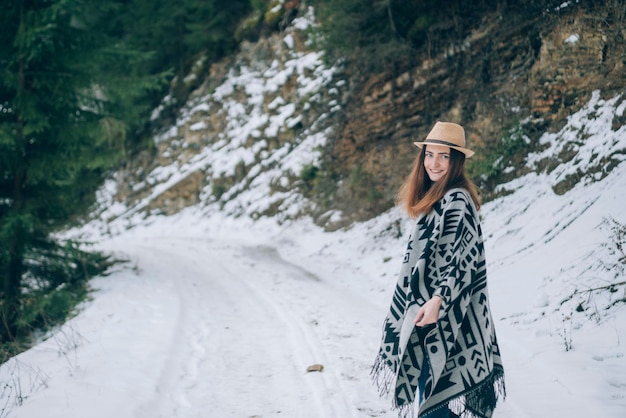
(199, 328)
(247, 324)
(208, 324)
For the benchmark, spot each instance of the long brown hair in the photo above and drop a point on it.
(419, 193)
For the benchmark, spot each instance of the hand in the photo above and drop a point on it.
(429, 312)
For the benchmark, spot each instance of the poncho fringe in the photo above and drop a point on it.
(383, 377)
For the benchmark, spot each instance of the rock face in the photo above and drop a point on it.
(179, 195)
(276, 131)
(580, 55)
(535, 73)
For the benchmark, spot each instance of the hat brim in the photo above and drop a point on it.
(468, 152)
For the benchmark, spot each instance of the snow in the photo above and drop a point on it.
(218, 312)
(220, 317)
(289, 41)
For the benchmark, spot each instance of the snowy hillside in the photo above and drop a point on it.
(220, 311)
(241, 142)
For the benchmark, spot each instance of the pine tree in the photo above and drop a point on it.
(66, 103)
(359, 31)
(177, 33)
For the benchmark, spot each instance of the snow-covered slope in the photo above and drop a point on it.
(240, 143)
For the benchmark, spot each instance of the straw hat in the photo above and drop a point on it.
(447, 134)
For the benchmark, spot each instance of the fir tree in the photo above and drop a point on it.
(67, 96)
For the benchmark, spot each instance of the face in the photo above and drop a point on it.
(436, 161)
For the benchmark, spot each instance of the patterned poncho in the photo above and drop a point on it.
(445, 257)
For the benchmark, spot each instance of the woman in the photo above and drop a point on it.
(439, 349)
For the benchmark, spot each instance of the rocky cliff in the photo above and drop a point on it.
(277, 131)
(525, 75)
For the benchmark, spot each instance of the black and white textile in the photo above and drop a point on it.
(445, 257)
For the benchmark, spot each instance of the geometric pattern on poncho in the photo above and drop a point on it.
(445, 257)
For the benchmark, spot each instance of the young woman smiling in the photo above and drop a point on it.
(439, 350)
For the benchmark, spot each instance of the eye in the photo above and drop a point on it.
(445, 157)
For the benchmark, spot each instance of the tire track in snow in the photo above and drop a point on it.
(307, 345)
(188, 347)
(332, 322)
